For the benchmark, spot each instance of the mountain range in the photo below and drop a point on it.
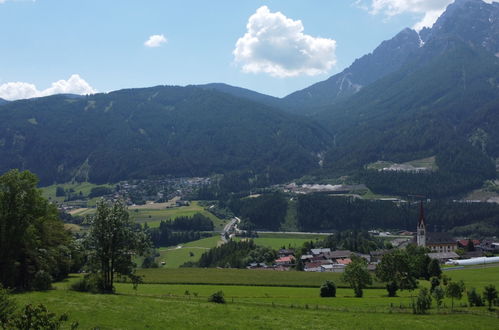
(432, 93)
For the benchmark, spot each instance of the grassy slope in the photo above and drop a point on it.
(238, 277)
(84, 187)
(154, 216)
(161, 306)
(141, 312)
(174, 257)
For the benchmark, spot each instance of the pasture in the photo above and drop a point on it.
(246, 277)
(277, 241)
(154, 216)
(158, 306)
(174, 257)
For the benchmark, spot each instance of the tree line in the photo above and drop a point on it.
(180, 230)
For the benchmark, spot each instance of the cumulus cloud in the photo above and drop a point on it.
(429, 9)
(276, 45)
(155, 40)
(22, 90)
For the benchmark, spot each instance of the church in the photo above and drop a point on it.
(436, 242)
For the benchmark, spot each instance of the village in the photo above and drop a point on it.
(442, 247)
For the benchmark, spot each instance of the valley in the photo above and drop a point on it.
(367, 199)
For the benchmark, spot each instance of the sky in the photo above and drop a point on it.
(272, 47)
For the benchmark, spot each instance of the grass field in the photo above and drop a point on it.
(476, 277)
(130, 311)
(85, 188)
(154, 216)
(277, 241)
(238, 277)
(157, 306)
(175, 257)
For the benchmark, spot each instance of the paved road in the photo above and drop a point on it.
(229, 228)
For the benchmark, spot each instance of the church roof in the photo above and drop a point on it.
(439, 238)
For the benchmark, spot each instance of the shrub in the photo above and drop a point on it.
(439, 294)
(42, 281)
(89, 283)
(328, 289)
(435, 281)
(7, 305)
(38, 317)
(474, 298)
(392, 289)
(423, 302)
(217, 297)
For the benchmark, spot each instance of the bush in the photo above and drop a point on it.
(42, 281)
(7, 305)
(89, 283)
(435, 281)
(328, 289)
(474, 298)
(38, 317)
(424, 301)
(392, 288)
(217, 297)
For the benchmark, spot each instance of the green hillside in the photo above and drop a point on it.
(138, 133)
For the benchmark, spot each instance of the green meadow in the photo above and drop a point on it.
(278, 240)
(176, 256)
(186, 306)
(49, 192)
(245, 277)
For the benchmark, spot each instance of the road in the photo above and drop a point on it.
(229, 228)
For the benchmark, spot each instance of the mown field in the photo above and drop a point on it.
(239, 277)
(157, 306)
(154, 216)
(278, 240)
(174, 257)
(49, 192)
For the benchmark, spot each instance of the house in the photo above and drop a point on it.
(288, 261)
(320, 251)
(339, 254)
(436, 242)
(306, 257)
(286, 252)
(463, 243)
(344, 261)
(443, 257)
(312, 267)
(326, 268)
(377, 255)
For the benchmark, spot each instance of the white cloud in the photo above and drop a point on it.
(429, 9)
(276, 45)
(22, 90)
(155, 40)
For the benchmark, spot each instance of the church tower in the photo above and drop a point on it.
(421, 231)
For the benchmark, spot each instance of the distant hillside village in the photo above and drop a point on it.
(442, 246)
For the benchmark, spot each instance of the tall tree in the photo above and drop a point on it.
(357, 275)
(396, 269)
(32, 237)
(112, 241)
(490, 294)
(454, 290)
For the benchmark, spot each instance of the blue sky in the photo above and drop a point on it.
(50, 46)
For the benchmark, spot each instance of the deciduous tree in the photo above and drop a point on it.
(357, 275)
(112, 241)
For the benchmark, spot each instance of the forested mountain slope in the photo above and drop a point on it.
(138, 133)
